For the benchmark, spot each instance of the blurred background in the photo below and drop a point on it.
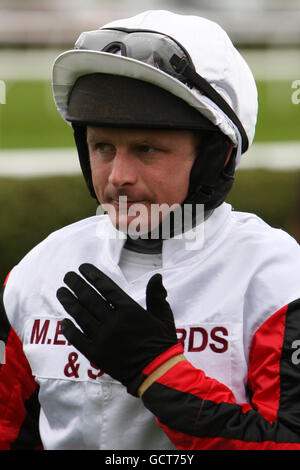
(41, 188)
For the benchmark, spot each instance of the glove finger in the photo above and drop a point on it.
(83, 318)
(75, 337)
(114, 295)
(156, 302)
(87, 296)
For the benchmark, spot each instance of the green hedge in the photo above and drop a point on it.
(33, 208)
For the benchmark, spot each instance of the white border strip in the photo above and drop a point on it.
(64, 161)
(273, 156)
(34, 64)
(39, 162)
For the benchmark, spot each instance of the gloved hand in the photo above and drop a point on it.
(118, 335)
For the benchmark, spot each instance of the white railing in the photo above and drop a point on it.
(278, 156)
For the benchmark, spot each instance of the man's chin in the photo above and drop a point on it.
(138, 219)
(129, 217)
(134, 227)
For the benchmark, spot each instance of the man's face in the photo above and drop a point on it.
(142, 168)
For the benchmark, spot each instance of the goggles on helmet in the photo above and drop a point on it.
(160, 51)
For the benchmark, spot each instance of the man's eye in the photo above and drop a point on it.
(147, 149)
(103, 147)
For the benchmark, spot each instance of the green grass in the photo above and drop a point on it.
(30, 119)
(278, 118)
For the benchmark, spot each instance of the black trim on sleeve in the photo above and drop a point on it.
(289, 405)
(29, 435)
(194, 416)
(4, 327)
(207, 419)
(4, 323)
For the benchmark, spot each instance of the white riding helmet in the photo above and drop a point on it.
(162, 70)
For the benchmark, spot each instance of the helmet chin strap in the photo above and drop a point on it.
(213, 171)
(153, 242)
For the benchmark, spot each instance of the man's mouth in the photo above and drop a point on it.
(124, 203)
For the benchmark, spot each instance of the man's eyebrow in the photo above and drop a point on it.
(92, 138)
(149, 141)
(143, 142)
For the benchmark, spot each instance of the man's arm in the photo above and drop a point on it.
(19, 406)
(195, 411)
(198, 412)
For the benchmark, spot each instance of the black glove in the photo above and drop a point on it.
(119, 336)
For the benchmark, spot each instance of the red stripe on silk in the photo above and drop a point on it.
(163, 357)
(184, 377)
(16, 386)
(6, 279)
(264, 368)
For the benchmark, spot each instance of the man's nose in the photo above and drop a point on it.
(123, 169)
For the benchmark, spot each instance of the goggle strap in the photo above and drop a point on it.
(115, 46)
(181, 66)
